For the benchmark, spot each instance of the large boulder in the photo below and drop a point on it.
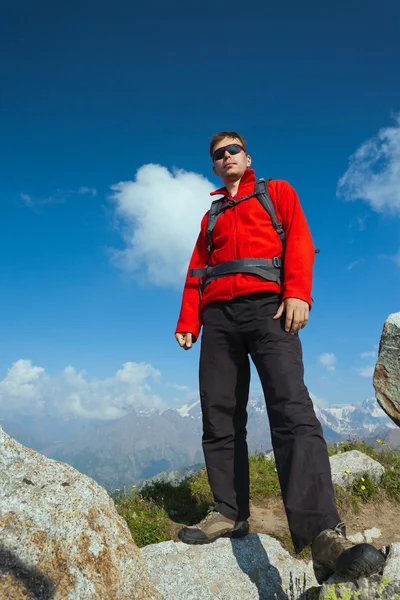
(60, 535)
(251, 568)
(348, 466)
(387, 370)
(257, 568)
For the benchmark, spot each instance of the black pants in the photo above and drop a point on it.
(232, 331)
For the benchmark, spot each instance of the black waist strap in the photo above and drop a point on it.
(267, 268)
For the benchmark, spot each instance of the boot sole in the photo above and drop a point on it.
(361, 561)
(239, 533)
(358, 569)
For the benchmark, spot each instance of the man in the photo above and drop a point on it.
(248, 305)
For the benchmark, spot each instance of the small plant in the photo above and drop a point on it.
(365, 488)
(341, 497)
(147, 522)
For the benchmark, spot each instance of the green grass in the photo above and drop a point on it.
(264, 481)
(186, 502)
(391, 484)
(147, 522)
(286, 541)
(150, 513)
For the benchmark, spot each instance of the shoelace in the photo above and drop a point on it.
(344, 539)
(339, 529)
(210, 514)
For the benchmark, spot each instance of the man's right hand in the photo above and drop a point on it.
(184, 340)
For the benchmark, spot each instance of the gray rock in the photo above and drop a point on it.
(371, 588)
(392, 566)
(173, 476)
(387, 370)
(253, 568)
(372, 534)
(358, 464)
(60, 535)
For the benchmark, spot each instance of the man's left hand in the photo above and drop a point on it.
(296, 314)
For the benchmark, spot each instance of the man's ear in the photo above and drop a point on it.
(248, 160)
(215, 172)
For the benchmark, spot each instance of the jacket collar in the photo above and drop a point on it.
(246, 185)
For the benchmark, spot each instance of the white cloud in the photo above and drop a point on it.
(88, 190)
(20, 386)
(396, 258)
(355, 263)
(180, 388)
(328, 360)
(393, 258)
(26, 198)
(374, 172)
(185, 394)
(371, 354)
(366, 371)
(362, 222)
(59, 197)
(160, 214)
(28, 389)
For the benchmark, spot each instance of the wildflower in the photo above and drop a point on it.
(134, 486)
(379, 441)
(363, 487)
(362, 479)
(348, 471)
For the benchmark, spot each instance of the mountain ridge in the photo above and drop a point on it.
(143, 444)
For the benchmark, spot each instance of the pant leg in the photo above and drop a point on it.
(300, 450)
(224, 391)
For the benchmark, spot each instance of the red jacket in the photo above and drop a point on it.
(246, 231)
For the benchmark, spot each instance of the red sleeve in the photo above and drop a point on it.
(300, 251)
(190, 317)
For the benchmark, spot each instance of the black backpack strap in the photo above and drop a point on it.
(215, 210)
(266, 268)
(261, 191)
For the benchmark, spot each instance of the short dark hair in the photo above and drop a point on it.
(218, 137)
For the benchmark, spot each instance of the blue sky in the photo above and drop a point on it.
(93, 92)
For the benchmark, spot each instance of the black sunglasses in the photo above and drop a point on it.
(231, 148)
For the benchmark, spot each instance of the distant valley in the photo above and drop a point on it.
(141, 445)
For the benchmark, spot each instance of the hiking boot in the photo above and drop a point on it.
(213, 526)
(332, 552)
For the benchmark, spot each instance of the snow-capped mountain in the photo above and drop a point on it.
(143, 444)
(361, 420)
(341, 421)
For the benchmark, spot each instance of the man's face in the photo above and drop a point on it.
(230, 167)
